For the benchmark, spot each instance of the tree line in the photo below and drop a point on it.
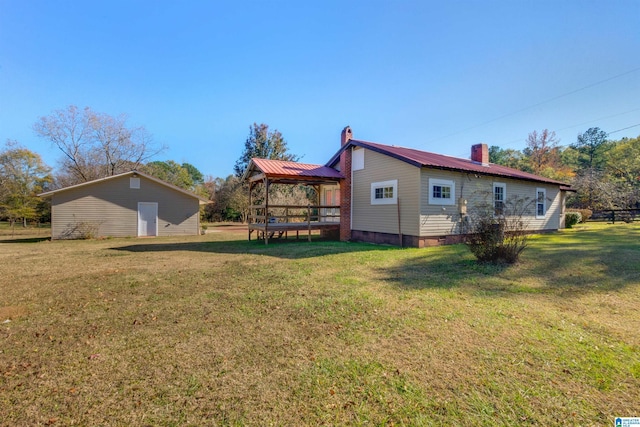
(604, 172)
(92, 145)
(95, 145)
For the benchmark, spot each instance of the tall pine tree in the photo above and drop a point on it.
(263, 144)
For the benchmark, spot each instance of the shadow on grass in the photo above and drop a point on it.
(444, 267)
(25, 240)
(286, 249)
(566, 263)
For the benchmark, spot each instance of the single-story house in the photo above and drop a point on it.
(129, 204)
(397, 195)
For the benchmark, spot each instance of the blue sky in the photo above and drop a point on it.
(436, 76)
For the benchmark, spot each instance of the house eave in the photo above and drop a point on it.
(486, 167)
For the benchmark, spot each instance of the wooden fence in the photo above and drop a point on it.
(613, 215)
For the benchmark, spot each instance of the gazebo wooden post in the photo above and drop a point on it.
(250, 210)
(309, 222)
(286, 220)
(266, 211)
(316, 188)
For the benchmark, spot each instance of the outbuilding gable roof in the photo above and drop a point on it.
(201, 200)
(420, 158)
(284, 171)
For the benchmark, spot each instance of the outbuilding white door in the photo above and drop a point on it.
(147, 219)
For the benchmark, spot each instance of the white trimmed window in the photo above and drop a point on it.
(541, 202)
(384, 192)
(499, 197)
(134, 183)
(442, 192)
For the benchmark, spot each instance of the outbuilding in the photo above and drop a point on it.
(131, 204)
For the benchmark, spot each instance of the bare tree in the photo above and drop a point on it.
(542, 150)
(122, 148)
(595, 190)
(95, 145)
(69, 130)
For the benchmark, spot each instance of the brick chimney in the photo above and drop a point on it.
(346, 136)
(480, 153)
(345, 186)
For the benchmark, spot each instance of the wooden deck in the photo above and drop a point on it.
(278, 226)
(280, 229)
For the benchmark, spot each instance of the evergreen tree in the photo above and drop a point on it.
(263, 144)
(591, 146)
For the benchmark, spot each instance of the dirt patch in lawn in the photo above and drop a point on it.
(12, 312)
(227, 228)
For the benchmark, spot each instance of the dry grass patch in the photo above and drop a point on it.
(18, 233)
(12, 312)
(210, 330)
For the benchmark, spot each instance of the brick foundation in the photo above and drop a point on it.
(415, 241)
(407, 241)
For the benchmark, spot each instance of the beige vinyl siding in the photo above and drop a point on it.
(112, 207)
(440, 220)
(436, 219)
(527, 189)
(553, 215)
(562, 200)
(384, 218)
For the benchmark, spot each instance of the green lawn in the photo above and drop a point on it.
(212, 330)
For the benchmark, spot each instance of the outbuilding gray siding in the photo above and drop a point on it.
(110, 208)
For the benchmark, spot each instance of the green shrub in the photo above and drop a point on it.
(572, 218)
(498, 239)
(586, 214)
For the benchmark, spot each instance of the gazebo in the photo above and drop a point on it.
(274, 221)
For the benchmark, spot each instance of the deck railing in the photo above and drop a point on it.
(293, 213)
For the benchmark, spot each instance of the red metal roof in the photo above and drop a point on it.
(284, 169)
(440, 161)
